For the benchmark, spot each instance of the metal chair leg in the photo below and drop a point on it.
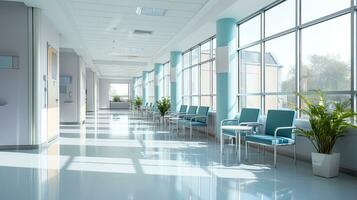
(221, 140)
(275, 156)
(246, 150)
(294, 154)
(190, 131)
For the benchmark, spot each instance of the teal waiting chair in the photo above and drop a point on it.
(173, 115)
(247, 117)
(199, 120)
(279, 131)
(183, 117)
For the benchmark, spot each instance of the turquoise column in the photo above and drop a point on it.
(175, 81)
(158, 86)
(145, 87)
(226, 70)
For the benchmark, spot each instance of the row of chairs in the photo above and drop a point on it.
(189, 117)
(278, 129)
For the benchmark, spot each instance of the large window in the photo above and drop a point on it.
(138, 87)
(120, 90)
(166, 80)
(151, 87)
(292, 47)
(199, 71)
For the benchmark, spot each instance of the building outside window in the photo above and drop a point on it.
(280, 55)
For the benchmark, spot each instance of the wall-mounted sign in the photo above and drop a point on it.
(9, 62)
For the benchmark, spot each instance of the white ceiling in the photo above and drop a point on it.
(106, 29)
(101, 30)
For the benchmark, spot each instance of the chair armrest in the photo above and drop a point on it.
(251, 124)
(187, 115)
(199, 117)
(228, 120)
(283, 128)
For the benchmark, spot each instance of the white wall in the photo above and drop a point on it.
(92, 91)
(82, 90)
(69, 66)
(44, 34)
(104, 85)
(73, 106)
(14, 83)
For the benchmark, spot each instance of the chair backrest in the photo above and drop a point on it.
(202, 111)
(280, 118)
(183, 108)
(249, 115)
(192, 110)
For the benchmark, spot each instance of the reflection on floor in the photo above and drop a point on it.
(117, 155)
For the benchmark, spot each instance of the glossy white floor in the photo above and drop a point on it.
(118, 156)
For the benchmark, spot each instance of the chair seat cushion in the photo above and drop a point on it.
(193, 123)
(232, 133)
(269, 139)
(197, 123)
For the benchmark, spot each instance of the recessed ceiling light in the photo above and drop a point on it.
(151, 11)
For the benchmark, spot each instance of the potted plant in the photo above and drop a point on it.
(328, 120)
(163, 106)
(116, 99)
(138, 102)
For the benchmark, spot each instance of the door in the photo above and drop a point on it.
(52, 94)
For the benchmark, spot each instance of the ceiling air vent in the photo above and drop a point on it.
(142, 32)
(151, 11)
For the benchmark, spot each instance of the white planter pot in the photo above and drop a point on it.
(325, 165)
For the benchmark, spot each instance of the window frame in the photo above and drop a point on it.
(299, 27)
(189, 67)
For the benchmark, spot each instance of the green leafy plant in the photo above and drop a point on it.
(138, 102)
(328, 120)
(163, 105)
(116, 99)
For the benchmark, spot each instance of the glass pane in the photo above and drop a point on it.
(326, 61)
(280, 64)
(195, 56)
(205, 100)
(214, 103)
(249, 101)
(195, 101)
(186, 100)
(186, 60)
(249, 70)
(325, 7)
(206, 51)
(186, 82)
(205, 78)
(280, 18)
(214, 77)
(280, 102)
(249, 31)
(195, 81)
